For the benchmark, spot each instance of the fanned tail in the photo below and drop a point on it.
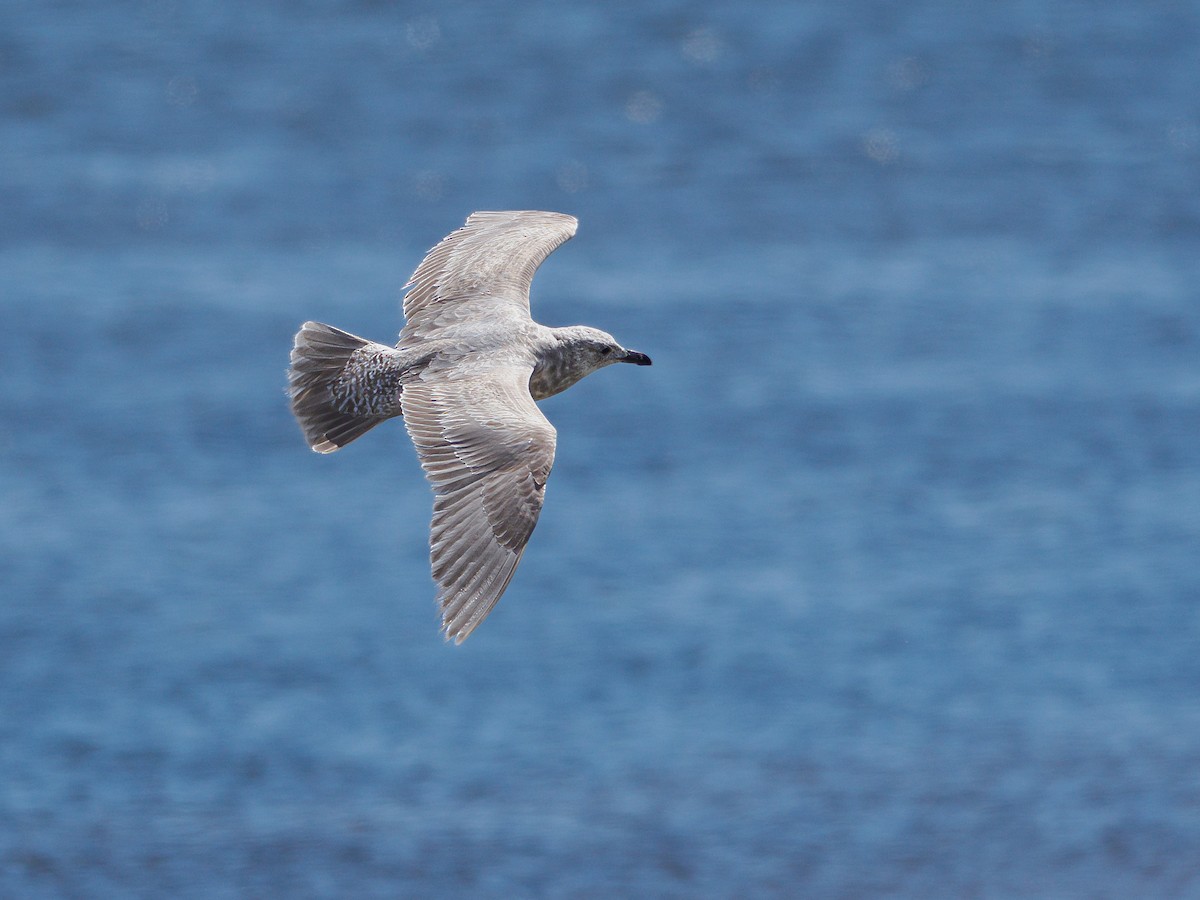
(320, 386)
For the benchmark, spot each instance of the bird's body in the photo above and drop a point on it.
(464, 375)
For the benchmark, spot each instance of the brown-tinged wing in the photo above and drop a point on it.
(490, 261)
(488, 450)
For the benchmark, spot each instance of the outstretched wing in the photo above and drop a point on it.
(488, 450)
(490, 260)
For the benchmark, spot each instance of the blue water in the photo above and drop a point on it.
(883, 581)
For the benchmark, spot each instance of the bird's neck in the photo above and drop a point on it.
(559, 365)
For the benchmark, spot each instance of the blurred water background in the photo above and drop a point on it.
(882, 582)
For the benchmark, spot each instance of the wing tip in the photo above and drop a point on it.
(457, 633)
(460, 624)
(453, 629)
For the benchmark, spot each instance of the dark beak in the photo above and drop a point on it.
(638, 359)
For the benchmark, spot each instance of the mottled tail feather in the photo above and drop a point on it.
(318, 358)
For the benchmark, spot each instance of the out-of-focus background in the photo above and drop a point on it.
(883, 581)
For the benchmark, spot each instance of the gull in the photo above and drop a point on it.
(464, 376)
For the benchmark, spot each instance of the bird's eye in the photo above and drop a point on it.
(604, 351)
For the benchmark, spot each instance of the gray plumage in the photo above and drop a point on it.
(464, 375)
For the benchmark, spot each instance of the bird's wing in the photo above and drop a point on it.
(491, 258)
(488, 450)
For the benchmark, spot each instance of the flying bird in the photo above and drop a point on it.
(464, 376)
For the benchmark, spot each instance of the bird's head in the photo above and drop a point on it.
(592, 349)
(575, 352)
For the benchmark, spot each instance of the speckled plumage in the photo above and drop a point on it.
(369, 384)
(464, 375)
